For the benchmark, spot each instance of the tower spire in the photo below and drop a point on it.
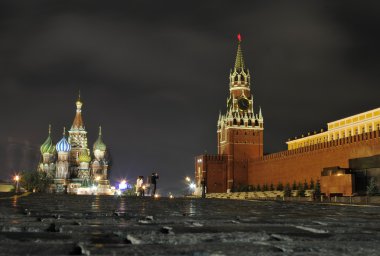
(78, 122)
(49, 129)
(100, 130)
(64, 131)
(239, 62)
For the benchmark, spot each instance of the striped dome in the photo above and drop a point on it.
(63, 145)
(84, 157)
(47, 146)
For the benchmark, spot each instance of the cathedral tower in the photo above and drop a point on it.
(47, 152)
(100, 163)
(240, 130)
(77, 139)
(62, 171)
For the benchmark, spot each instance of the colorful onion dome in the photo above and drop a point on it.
(47, 146)
(99, 144)
(63, 145)
(84, 157)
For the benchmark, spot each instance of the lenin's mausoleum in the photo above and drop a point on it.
(342, 158)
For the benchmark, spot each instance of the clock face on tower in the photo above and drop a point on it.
(243, 103)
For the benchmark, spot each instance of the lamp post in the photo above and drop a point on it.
(191, 185)
(17, 179)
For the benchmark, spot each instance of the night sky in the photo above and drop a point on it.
(154, 74)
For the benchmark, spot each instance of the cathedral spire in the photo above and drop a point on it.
(78, 121)
(239, 62)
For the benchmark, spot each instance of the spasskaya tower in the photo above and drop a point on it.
(240, 135)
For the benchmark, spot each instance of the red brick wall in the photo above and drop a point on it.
(241, 145)
(306, 163)
(215, 169)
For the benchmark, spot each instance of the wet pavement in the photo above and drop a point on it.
(45, 224)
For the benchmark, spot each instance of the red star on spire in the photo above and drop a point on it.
(239, 37)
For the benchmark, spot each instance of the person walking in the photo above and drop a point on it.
(154, 179)
(139, 184)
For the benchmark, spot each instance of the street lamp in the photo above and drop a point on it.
(192, 186)
(17, 179)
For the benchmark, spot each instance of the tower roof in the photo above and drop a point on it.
(99, 144)
(84, 157)
(239, 62)
(47, 146)
(78, 121)
(63, 145)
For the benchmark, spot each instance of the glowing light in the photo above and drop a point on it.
(97, 178)
(188, 179)
(192, 185)
(239, 37)
(118, 192)
(123, 185)
(143, 187)
(17, 178)
(94, 187)
(156, 196)
(171, 196)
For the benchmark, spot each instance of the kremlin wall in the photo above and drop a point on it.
(327, 156)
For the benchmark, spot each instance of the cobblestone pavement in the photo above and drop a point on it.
(46, 224)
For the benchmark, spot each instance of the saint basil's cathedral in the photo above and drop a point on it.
(70, 163)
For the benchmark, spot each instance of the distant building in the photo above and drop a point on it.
(240, 161)
(70, 162)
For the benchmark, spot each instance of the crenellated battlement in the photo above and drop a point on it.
(215, 157)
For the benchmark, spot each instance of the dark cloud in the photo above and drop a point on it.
(154, 74)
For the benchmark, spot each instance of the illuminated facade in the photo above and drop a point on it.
(323, 155)
(70, 163)
(339, 129)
